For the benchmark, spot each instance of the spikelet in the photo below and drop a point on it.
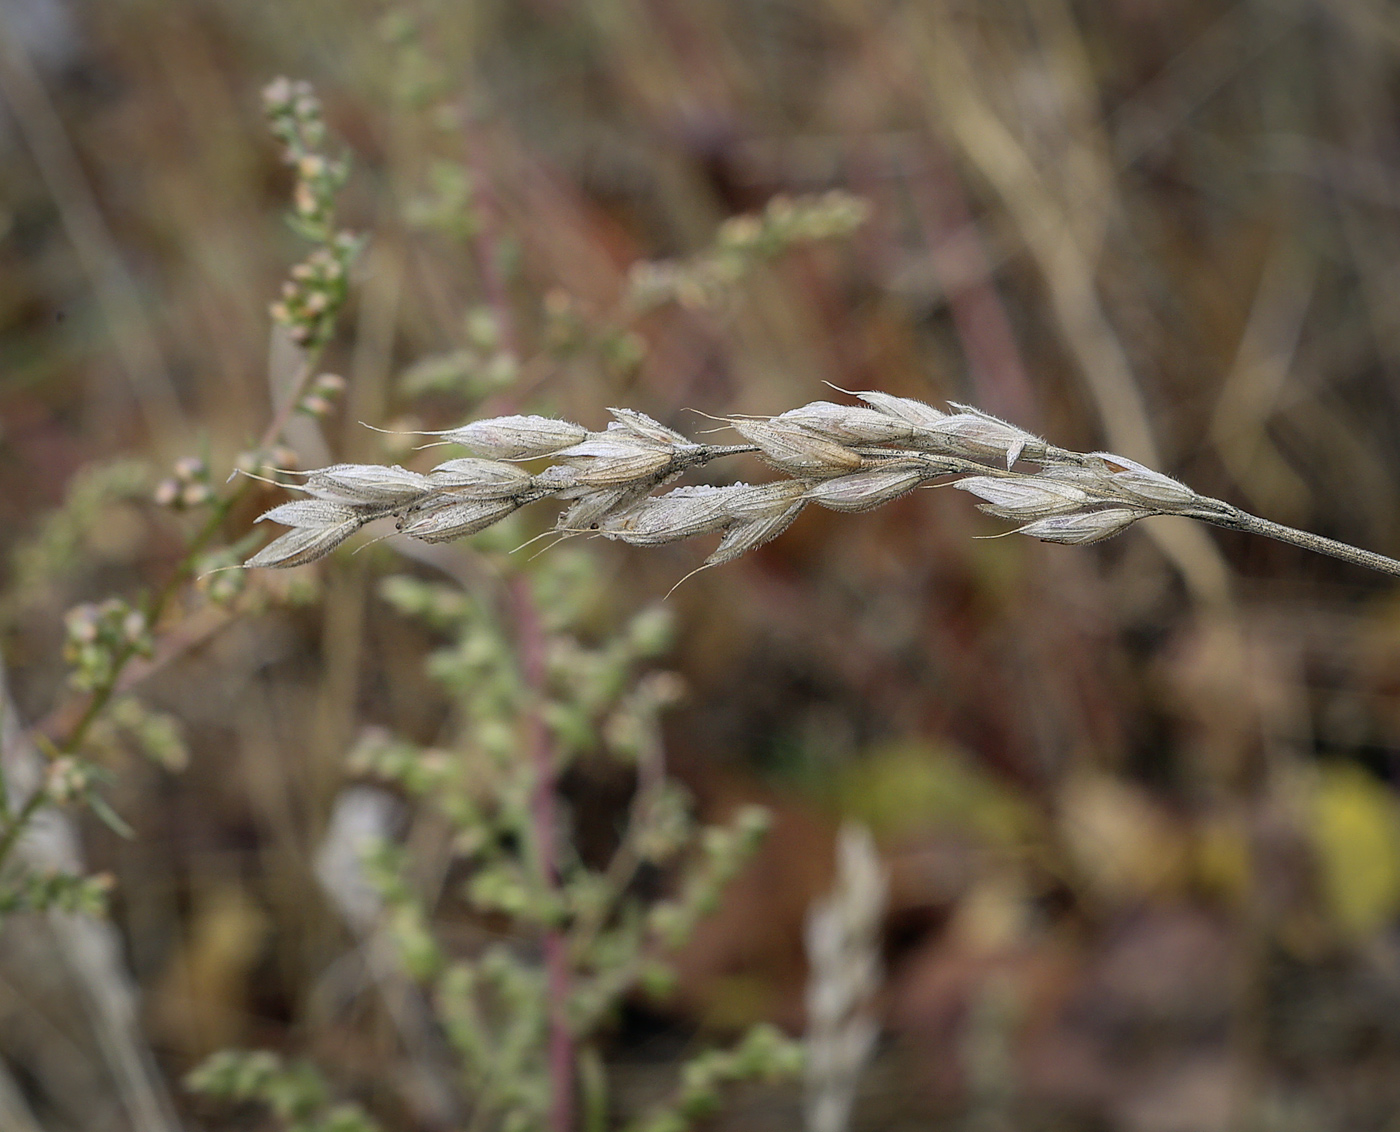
(796, 450)
(673, 517)
(1084, 528)
(978, 435)
(313, 513)
(848, 424)
(903, 408)
(1137, 483)
(516, 437)
(448, 521)
(751, 534)
(367, 484)
(862, 491)
(1025, 498)
(479, 479)
(618, 456)
(301, 545)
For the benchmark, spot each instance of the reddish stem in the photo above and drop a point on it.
(542, 819)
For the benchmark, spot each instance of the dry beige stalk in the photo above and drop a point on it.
(843, 940)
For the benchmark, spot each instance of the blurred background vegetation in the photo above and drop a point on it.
(1137, 802)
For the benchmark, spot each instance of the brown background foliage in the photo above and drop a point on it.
(1137, 800)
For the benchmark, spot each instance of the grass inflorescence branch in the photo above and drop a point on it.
(843, 457)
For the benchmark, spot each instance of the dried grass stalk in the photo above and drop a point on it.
(844, 457)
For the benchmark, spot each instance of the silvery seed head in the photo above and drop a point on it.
(848, 424)
(863, 490)
(446, 521)
(516, 437)
(368, 484)
(1137, 483)
(301, 545)
(607, 478)
(795, 449)
(1085, 527)
(471, 478)
(1025, 497)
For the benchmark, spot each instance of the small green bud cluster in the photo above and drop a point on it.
(68, 779)
(479, 368)
(319, 285)
(216, 577)
(296, 119)
(417, 79)
(100, 636)
(295, 1093)
(270, 464)
(57, 892)
(763, 1054)
(494, 1013)
(596, 701)
(320, 398)
(724, 850)
(595, 704)
(187, 486)
(155, 735)
(743, 243)
(405, 920)
(572, 331)
(64, 541)
(448, 206)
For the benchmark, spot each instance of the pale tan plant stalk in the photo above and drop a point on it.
(843, 457)
(843, 954)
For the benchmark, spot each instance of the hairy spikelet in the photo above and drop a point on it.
(367, 484)
(798, 450)
(862, 491)
(515, 438)
(479, 479)
(301, 545)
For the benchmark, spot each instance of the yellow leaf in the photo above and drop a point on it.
(1356, 835)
